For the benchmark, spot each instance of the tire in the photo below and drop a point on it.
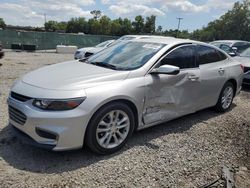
(102, 133)
(221, 105)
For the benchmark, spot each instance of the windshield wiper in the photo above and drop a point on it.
(101, 64)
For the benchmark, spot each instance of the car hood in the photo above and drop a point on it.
(245, 61)
(95, 50)
(84, 49)
(73, 75)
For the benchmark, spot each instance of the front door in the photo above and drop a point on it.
(171, 96)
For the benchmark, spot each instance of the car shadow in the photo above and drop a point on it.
(246, 88)
(28, 158)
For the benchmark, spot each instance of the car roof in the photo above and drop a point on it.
(145, 36)
(229, 41)
(169, 40)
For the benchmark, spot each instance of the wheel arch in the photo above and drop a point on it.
(126, 101)
(234, 82)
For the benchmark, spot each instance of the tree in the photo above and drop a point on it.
(96, 14)
(94, 26)
(235, 24)
(150, 24)
(105, 24)
(138, 24)
(76, 25)
(62, 26)
(126, 27)
(116, 27)
(2, 23)
(51, 25)
(159, 29)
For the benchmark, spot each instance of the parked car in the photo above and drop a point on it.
(132, 85)
(86, 52)
(1, 51)
(244, 58)
(232, 47)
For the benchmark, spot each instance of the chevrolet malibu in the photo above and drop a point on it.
(102, 100)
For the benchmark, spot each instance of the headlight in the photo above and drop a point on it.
(57, 105)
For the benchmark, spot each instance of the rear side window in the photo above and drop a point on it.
(207, 55)
(182, 57)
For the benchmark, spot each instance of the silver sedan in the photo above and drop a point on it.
(129, 86)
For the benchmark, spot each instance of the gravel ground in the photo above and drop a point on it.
(187, 152)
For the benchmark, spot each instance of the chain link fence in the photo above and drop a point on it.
(49, 40)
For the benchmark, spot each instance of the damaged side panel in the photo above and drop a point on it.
(168, 96)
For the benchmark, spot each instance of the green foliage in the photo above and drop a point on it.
(51, 25)
(138, 24)
(2, 23)
(76, 25)
(235, 24)
(96, 14)
(150, 24)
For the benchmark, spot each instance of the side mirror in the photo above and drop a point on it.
(232, 54)
(235, 49)
(166, 69)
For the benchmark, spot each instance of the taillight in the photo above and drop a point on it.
(242, 67)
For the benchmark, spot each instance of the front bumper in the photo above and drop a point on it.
(68, 126)
(26, 139)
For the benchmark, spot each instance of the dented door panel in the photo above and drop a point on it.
(168, 96)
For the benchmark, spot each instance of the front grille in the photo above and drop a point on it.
(246, 69)
(17, 116)
(87, 54)
(19, 97)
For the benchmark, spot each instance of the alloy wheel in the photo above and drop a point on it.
(227, 97)
(113, 129)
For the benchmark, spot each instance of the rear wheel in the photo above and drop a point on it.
(226, 98)
(110, 128)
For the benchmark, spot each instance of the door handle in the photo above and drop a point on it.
(221, 70)
(193, 77)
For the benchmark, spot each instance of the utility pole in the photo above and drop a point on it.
(179, 24)
(44, 30)
(44, 19)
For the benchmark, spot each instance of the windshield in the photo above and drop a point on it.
(126, 55)
(246, 53)
(103, 44)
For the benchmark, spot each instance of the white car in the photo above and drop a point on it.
(86, 52)
(131, 85)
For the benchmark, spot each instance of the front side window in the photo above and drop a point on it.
(182, 57)
(126, 55)
(206, 55)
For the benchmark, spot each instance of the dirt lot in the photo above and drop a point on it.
(187, 152)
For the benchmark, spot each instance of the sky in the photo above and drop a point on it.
(196, 13)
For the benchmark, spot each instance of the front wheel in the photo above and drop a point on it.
(226, 98)
(110, 128)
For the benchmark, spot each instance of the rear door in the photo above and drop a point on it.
(171, 96)
(213, 73)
